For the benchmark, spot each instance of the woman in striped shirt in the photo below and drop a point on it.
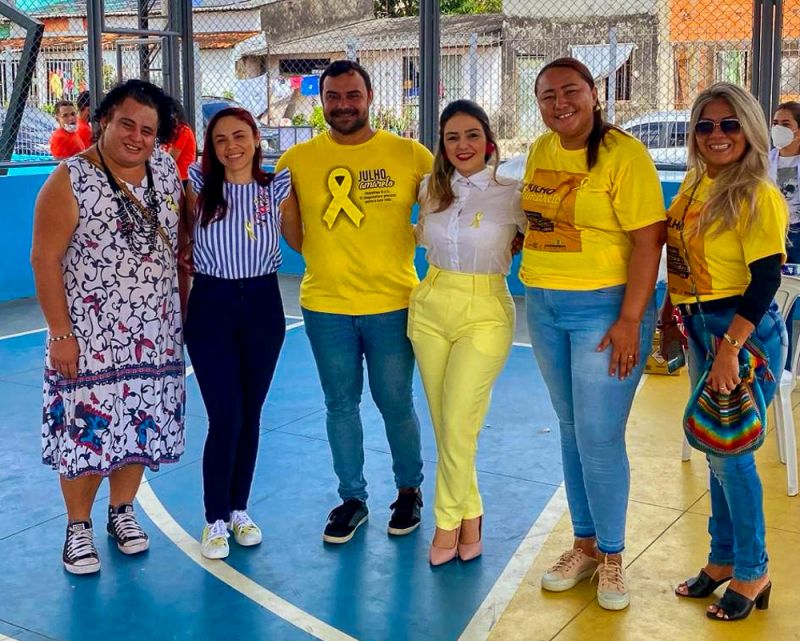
(235, 324)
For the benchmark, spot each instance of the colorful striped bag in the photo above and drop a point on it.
(734, 423)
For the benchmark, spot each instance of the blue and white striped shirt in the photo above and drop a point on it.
(246, 242)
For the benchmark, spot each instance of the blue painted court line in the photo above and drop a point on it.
(376, 587)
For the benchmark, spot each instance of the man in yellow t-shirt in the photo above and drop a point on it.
(355, 188)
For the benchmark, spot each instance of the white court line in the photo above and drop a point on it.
(507, 584)
(489, 612)
(243, 584)
(30, 331)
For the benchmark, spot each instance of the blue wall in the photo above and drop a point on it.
(17, 197)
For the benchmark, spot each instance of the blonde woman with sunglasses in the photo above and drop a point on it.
(726, 246)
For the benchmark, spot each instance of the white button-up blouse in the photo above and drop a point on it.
(473, 235)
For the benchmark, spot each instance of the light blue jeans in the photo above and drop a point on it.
(737, 524)
(592, 407)
(340, 344)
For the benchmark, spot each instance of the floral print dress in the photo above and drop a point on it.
(127, 403)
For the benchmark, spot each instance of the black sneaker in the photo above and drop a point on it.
(343, 521)
(405, 512)
(80, 554)
(125, 530)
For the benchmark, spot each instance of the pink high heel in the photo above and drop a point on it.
(440, 556)
(469, 551)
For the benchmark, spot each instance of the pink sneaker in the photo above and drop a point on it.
(571, 568)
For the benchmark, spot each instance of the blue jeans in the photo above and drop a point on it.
(340, 344)
(592, 408)
(737, 524)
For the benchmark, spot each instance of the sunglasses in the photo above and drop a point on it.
(726, 126)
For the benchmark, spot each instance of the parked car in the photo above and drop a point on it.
(35, 129)
(664, 133)
(212, 104)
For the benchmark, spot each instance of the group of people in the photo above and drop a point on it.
(75, 134)
(114, 229)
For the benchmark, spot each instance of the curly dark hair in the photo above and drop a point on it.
(145, 93)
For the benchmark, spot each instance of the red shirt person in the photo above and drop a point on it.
(84, 117)
(65, 141)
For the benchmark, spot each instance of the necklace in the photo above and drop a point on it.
(138, 223)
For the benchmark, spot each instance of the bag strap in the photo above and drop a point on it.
(754, 352)
(706, 333)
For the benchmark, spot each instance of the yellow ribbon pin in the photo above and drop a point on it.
(171, 204)
(340, 190)
(248, 226)
(476, 221)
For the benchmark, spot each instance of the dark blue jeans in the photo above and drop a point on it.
(341, 344)
(234, 332)
(737, 524)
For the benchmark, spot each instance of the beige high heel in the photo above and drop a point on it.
(469, 551)
(440, 556)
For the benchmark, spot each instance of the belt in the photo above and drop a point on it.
(718, 305)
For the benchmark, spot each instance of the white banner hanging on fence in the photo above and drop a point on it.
(599, 57)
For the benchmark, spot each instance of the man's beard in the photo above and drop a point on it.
(357, 124)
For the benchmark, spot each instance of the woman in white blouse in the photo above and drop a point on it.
(461, 316)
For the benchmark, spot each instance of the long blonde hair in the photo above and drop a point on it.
(737, 183)
(440, 191)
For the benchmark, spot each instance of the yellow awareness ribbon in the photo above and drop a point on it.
(476, 221)
(171, 204)
(340, 190)
(249, 229)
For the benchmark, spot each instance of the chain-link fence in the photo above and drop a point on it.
(649, 57)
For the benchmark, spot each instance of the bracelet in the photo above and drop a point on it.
(732, 340)
(55, 339)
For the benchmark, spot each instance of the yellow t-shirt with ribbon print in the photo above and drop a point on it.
(578, 220)
(718, 260)
(355, 203)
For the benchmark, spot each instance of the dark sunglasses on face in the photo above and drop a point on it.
(726, 126)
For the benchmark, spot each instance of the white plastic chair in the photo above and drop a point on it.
(785, 431)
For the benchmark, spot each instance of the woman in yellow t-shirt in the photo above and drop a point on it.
(590, 260)
(726, 231)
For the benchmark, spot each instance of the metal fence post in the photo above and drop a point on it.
(429, 71)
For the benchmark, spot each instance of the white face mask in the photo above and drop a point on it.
(781, 136)
(70, 128)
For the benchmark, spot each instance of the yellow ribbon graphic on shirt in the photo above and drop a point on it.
(340, 190)
(476, 221)
(248, 227)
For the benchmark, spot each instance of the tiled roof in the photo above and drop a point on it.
(77, 8)
(393, 33)
(224, 40)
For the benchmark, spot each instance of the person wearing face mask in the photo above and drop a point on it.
(784, 167)
(461, 316)
(65, 141)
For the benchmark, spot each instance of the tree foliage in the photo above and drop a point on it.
(404, 8)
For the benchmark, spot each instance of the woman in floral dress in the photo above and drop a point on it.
(104, 258)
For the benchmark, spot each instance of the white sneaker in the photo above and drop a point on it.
(214, 543)
(612, 592)
(245, 532)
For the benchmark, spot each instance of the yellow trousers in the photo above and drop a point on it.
(461, 327)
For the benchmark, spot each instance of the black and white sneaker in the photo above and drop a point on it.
(405, 512)
(125, 530)
(343, 521)
(80, 554)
